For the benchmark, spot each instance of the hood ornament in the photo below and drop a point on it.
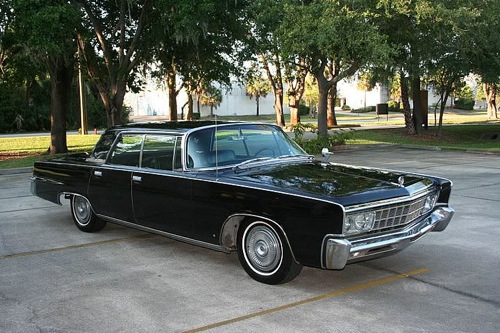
(401, 181)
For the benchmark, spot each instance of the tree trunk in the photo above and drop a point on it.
(278, 107)
(323, 88)
(257, 102)
(189, 115)
(417, 105)
(410, 128)
(490, 90)
(61, 75)
(277, 86)
(293, 104)
(331, 118)
(172, 95)
(444, 99)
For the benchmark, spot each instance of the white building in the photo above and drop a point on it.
(153, 100)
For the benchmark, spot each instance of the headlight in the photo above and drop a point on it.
(429, 203)
(359, 222)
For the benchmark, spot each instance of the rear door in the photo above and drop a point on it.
(161, 191)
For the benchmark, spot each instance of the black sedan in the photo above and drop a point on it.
(244, 187)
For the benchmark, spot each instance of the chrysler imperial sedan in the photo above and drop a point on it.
(244, 187)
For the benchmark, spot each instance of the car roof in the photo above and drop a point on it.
(172, 126)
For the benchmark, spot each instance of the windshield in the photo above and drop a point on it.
(233, 144)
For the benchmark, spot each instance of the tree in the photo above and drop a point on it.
(296, 82)
(365, 83)
(256, 87)
(484, 50)
(211, 97)
(448, 62)
(194, 42)
(111, 42)
(265, 17)
(316, 31)
(311, 94)
(46, 32)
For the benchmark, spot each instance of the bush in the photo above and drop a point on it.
(314, 146)
(303, 110)
(346, 107)
(464, 104)
(364, 110)
(394, 106)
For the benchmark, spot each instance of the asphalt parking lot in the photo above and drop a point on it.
(54, 278)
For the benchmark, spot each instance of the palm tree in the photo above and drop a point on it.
(257, 87)
(212, 97)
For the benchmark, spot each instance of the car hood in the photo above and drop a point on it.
(344, 184)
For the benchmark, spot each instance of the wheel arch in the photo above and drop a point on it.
(232, 225)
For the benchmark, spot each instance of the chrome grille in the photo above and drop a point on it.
(396, 215)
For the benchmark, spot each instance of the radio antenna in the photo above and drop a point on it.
(216, 151)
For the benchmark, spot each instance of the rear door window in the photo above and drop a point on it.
(161, 152)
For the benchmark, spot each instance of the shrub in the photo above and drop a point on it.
(346, 107)
(464, 104)
(394, 106)
(364, 110)
(303, 110)
(314, 146)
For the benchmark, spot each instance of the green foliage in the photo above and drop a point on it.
(371, 108)
(303, 110)
(299, 130)
(464, 104)
(394, 106)
(19, 115)
(314, 146)
(464, 98)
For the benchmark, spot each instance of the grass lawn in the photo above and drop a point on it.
(21, 152)
(459, 137)
(464, 130)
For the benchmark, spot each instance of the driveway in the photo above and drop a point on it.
(54, 278)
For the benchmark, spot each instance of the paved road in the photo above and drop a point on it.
(54, 278)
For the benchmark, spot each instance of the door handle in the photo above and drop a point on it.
(98, 173)
(136, 179)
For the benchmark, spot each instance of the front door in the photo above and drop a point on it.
(110, 184)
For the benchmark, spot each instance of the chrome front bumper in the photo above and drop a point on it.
(337, 252)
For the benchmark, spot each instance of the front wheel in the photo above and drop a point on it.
(264, 255)
(84, 216)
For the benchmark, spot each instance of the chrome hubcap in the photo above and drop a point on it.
(82, 210)
(263, 249)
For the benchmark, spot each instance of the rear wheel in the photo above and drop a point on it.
(84, 216)
(264, 254)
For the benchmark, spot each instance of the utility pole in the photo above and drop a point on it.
(83, 100)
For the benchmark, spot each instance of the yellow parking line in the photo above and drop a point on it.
(70, 247)
(358, 287)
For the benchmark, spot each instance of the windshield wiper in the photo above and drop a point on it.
(258, 160)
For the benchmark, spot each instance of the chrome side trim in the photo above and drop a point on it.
(165, 234)
(337, 252)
